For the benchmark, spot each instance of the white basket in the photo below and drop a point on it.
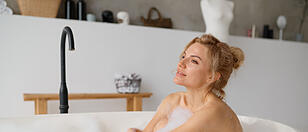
(127, 85)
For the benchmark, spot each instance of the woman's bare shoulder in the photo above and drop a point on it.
(213, 110)
(218, 113)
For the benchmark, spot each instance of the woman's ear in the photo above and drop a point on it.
(217, 76)
(214, 77)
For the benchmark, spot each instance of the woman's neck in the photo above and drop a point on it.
(196, 98)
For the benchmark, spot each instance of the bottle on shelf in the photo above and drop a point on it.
(81, 10)
(253, 31)
(69, 9)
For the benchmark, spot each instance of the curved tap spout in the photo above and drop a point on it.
(63, 88)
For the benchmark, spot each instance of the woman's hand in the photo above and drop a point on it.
(133, 130)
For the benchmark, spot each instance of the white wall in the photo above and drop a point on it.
(271, 84)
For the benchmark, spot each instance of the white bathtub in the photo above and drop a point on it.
(112, 122)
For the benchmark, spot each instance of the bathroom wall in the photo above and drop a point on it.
(186, 14)
(272, 83)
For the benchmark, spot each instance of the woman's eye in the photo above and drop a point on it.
(183, 57)
(193, 61)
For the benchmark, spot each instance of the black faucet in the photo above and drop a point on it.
(63, 89)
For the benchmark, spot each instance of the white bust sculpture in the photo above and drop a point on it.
(217, 15)
(4, 10)
(123, 18)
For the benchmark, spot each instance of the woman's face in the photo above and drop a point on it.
(193, 69)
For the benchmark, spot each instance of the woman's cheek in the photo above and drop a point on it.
(200, 74)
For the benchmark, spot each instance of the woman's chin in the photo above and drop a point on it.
(178, 81)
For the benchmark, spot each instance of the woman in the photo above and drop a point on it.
(204, 69)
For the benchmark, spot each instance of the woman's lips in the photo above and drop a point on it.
(178, 73)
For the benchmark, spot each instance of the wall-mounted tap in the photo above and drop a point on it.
(63, 89)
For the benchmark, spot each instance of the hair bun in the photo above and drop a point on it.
(238, 57)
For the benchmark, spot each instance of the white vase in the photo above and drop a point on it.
(123, 18)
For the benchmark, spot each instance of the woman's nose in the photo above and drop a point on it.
(182, 64)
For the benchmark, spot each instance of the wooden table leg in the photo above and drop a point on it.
(40, 106)
(129, 104)
(137, 103)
